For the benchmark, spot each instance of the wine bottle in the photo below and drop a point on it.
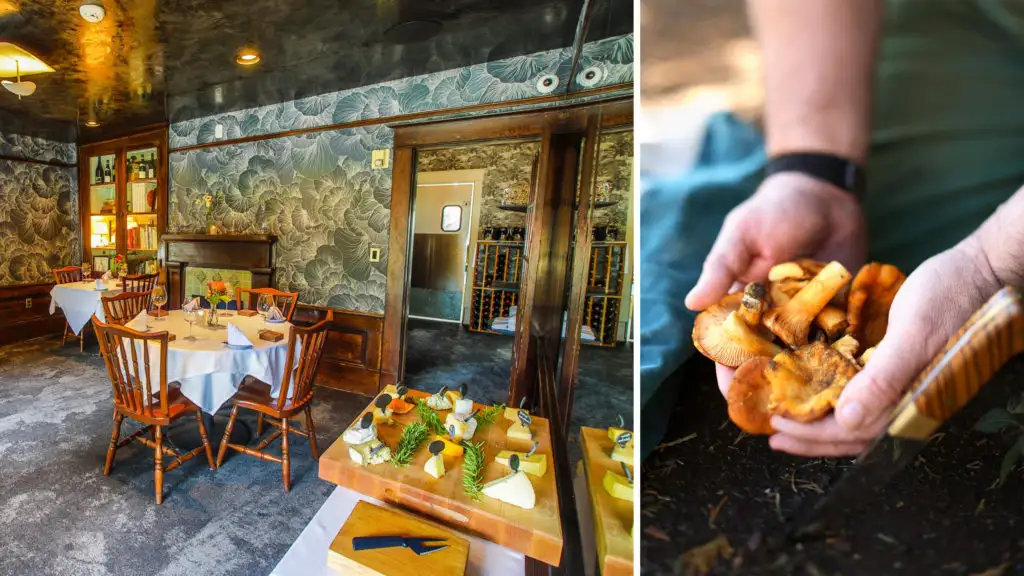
(108, 174)
(99, 172)
(151, 167)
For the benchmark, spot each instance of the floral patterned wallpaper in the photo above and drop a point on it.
(39, 228)
(316, 191)
(507, 165)
(499, 81)
(615, 168)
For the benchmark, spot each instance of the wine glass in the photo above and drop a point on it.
(86, 272)
(159, 299)
(229, 293)
(190, 316)
(263, 305)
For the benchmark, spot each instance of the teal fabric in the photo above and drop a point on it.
(948, 148)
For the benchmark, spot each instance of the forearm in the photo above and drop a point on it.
(819, 67)
(1001, 240)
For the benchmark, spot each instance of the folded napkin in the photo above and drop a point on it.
(236, 337)
(107, 276)
(139, 323)
(274, 315)
(191, 306)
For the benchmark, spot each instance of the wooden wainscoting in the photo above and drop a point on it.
(25, 313)
(351, 359)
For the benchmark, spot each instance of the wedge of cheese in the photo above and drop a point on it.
(450, 448)
(513, 414)
(382, 416)
(519, 432)
(614, 433)
(439, 402)
(623, 453)
(514, 489)
(536, 465)
(452, 396)
(360, 453)
(357, 435)
(435, 466)
(618, 486)
(463, 406)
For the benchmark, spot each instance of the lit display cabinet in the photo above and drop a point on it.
(123, 192)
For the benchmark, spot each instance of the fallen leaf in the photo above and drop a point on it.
(699, 560)
(994, 571)
(677, 441)
(715, 510)
(655, 532)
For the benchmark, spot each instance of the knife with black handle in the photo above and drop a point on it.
(993, 335)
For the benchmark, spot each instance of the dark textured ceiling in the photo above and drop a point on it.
(146, 53)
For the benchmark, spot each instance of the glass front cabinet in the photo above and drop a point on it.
(123, 195)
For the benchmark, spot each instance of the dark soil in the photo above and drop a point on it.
(944, 514)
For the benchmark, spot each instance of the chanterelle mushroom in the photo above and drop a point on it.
(806, 382)
(792, 321)
(753, 304)
(722, 336)
(870, 298)
(748, 397)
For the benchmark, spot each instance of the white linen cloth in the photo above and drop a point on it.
(308, 554)
(236, 337)
(140, 323)
(80, 300)
(210, 372)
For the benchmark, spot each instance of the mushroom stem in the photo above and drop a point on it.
(832, 320)
(786, 271)
(792, 321)
(739, 332)
(866, 356)
(847, 346)
(754, 303)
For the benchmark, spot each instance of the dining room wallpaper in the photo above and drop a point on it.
(316, 192)
(39, 227)
(614, 179)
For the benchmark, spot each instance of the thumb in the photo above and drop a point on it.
(721, 269)
(870, 395)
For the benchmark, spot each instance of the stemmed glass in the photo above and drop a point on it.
(229, 291)
(86, 272)
(263, 305)
(159, 299)
(190, 317)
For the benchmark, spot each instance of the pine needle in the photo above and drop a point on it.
(473, 469)
(487, 415)
(413, 436)
(430, 418)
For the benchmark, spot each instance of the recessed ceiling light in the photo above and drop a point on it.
(247, 57)
(92, 10)
(92, 123)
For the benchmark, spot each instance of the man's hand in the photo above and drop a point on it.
(932, 304)
(790, 216)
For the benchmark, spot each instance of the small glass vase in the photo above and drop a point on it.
(122, 271)
(211, 317)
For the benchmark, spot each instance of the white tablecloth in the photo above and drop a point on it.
(308, 554)
(80, 300)
(209, 371)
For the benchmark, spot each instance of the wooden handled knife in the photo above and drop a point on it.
(993, 335)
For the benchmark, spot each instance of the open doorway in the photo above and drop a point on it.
(464, 278)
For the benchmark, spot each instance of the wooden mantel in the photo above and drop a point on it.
(252, 252)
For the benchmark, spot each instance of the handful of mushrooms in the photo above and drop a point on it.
(826, 327)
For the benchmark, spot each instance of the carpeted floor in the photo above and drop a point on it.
(60, 515)
(440, 353)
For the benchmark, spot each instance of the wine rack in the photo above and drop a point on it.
(496, 271)
(603, 304)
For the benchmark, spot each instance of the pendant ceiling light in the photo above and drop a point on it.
(16, 61)
(20, 88)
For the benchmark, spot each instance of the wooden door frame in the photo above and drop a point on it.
(408, 140)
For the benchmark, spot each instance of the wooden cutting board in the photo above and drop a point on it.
(371, 520)
(613, 518)
(536, 533)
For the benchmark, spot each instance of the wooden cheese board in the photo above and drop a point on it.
(613, 517)
(368, 519)
(537, 533)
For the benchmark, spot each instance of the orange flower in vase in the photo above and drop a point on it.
(216, 292)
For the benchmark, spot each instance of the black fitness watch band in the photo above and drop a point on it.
(835, 170)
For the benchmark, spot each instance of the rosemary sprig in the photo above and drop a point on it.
(487, 415)
(412, 436)
(430, 418)
(473, 469)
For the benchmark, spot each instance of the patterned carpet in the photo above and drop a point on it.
(62, 516)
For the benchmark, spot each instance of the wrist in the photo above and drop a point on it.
(986, 279)
(840, 172)
(825, 133)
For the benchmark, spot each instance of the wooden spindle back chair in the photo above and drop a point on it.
(139, 396)
(295, 398)
(247, 298)
(140, 283)
(66, 275)
(121, 308)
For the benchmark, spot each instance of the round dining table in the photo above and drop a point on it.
(209, 371)
(80, 300)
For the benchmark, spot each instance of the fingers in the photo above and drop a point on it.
(726, 263)
(870, 395)
(821, 438)
(724, 374)
(809, 448)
